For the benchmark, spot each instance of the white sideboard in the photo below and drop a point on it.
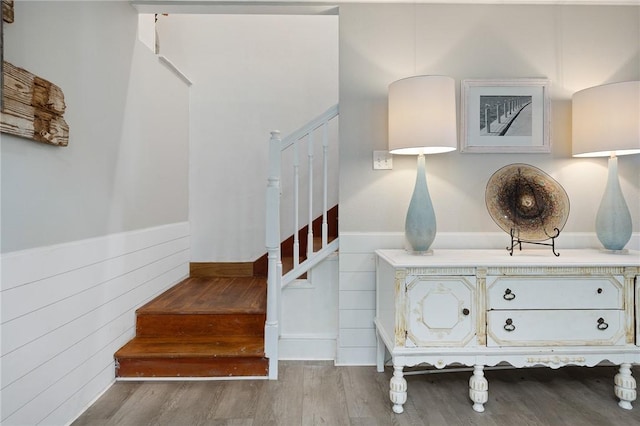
(484, 307)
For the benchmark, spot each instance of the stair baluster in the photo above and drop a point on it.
(310, 195)
(325, 182)
(275, 279)
(296, 206)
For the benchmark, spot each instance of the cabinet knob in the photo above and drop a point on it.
(508, 325)
(601, 324)
(465, 312)
(599, 291)
(508, 295)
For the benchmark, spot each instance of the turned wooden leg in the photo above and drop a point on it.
(398, 389)
(478, 388)
(625, 386)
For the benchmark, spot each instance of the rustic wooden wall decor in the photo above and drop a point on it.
(7, 16)
(32, 107)
(7, 11)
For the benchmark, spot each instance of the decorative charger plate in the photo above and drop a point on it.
(526, 202)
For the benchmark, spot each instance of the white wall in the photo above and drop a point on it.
(252, 74)
(91, 231)
(573, 46)
(126, 164)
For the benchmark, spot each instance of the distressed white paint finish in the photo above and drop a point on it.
(357, 285)
(637, 309)
(63, 320)
(588, 328)
(550, 327)
(357, 277)
(559, 293)
(440, 311)
(478, 388)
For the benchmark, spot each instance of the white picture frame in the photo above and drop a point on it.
(485, 128)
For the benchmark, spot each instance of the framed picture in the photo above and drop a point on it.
(505, 116)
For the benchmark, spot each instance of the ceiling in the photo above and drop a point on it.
(319, 7)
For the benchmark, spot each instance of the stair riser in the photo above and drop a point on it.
(192, 367)
(150, 325)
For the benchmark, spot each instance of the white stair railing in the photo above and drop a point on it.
(275, 279)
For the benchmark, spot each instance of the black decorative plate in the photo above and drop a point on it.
(526, 201)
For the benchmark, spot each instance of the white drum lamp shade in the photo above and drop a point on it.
(606, 123)
(422, 120)
(422, 115)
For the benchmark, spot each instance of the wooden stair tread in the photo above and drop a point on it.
(202, 327)
(207, 295)
(193, 347)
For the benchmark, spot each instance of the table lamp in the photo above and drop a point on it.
(422, 120)
(606, 123)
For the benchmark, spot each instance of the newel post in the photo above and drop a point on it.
(271, 329)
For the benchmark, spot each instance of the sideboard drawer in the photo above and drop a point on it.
(539, 292)
(555, 328)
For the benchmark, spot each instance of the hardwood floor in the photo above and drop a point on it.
(317, 393)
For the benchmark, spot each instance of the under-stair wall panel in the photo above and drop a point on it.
(67, 308)
(310, 314)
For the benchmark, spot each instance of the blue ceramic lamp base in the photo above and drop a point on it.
(613, 220)
(420, 223)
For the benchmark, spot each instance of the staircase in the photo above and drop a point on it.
(202, 327)
(212, 323)
(227, 324)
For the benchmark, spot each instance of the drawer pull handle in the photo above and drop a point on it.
(465, 312)
(599, 291)
(508, 326)
(508, 295)
(602, 325)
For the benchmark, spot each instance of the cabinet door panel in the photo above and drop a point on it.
(555, 292)
(440, 311)
(555, 328)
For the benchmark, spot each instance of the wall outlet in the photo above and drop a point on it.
(382, 160)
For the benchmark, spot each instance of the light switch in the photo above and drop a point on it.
(382, 160)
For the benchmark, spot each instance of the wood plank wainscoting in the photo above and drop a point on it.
(212, 323)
